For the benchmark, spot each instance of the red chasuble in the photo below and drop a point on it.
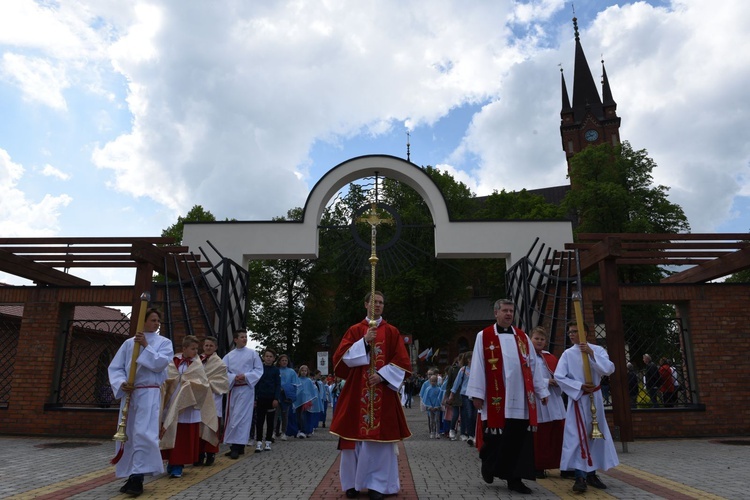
(363, 414)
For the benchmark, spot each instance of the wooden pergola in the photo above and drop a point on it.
(708, 256)
(48, 261)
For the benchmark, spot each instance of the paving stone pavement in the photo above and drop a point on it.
(34, 467)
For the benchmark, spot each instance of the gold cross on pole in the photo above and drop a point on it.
(372, 217)
(374, 222)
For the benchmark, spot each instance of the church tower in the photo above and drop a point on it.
(591, 119)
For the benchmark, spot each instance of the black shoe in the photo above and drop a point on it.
(567, 474)
(135, 486)
(487, 474)
(352, 493)
(125, 486)
(580, 485)
(593, 480)
(234, 454)
(541, 474)
(518, 486)
(375, 495)
(201, 460)
(210, 459)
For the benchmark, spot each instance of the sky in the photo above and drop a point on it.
(118, 117)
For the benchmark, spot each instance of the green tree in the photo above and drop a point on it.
(277, 293)
(739, 277)
(422, 293)
(613, 192)
(518, 205)
(196, 214)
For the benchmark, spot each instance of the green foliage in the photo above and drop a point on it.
(613, 192)
(277, 293)
(518, 205)
(196, 214)
(739, 277)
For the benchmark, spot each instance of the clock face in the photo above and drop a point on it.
(591, 135)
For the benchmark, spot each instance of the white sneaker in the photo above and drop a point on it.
(268, 446)
(432, 435)
(464, 437)
(452, 435)
(259, 447)
(301, 434)
(283, 437)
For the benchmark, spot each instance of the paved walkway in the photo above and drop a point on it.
(308, 468)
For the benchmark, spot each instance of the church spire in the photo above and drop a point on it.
(585, 94)
(606, 91)
(565, 99)
(589, 120)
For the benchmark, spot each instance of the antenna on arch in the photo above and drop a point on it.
(408, 146)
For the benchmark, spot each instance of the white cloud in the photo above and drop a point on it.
(39, 80)
(54, 46)
(229, 101)
(20, 216)
(224, 100)
(50, 171)
(680, 84)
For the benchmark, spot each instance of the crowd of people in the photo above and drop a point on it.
(182, 406)
(505, 397)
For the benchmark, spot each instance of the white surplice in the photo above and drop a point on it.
(570, 377)
(141, 453)
(516, 404)
(241, 398)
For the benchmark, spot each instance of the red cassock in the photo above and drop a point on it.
(355, 418)
(548, 438)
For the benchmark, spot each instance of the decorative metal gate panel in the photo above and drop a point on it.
(541, 285)
(212, 302)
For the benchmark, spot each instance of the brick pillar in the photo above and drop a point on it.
(35, 364)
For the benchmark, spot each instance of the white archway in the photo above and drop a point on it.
(242, 241)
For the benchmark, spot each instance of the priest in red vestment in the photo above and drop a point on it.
(369, 419)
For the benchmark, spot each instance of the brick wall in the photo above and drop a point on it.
(46, 312)
(718, 324)
(717, 318)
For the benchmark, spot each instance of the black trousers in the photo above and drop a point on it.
(265, 413)
(509, 455)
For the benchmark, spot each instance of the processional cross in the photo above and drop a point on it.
(374, 221)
